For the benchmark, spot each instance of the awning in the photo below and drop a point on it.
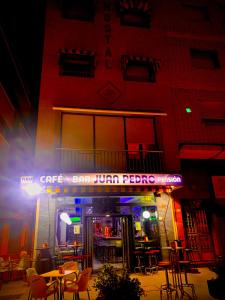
(127, 59)
(188, 151)
(105, 190)
(76, 51)
(142, 5)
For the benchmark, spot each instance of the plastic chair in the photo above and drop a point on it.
(70, 265)
(4, 269)
(39, 289)
(79, 285)
(29, 273)
(19, 268)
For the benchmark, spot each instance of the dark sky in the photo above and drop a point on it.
(22, 22)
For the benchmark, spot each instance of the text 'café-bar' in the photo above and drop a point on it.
(96, 179)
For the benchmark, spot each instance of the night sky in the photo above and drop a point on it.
(22, 23)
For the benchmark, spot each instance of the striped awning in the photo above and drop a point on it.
(126, 59)
(105, 190)
(76, 51)
(140, 5)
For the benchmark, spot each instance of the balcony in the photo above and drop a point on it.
(72, 160)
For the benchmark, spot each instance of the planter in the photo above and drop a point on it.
(216, 288)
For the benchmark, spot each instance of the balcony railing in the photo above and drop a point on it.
(72, 160)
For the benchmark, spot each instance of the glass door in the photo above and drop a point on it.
(109, 240)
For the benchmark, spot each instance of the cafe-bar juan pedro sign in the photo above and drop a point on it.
(101, 179)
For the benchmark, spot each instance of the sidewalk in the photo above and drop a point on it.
(18, 290)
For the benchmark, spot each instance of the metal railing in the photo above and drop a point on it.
(109, 161)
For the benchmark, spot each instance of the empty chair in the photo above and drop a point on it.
(4, 270)
(29, 273)
(139, 261)
(152, 265)
(78, 285)
(39, 289)
(70, 265)
(19, 268)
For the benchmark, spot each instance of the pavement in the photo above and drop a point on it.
(18, 290)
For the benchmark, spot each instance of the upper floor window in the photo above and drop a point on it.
(83, 10)
(204, 59)
(135, 13)
(77, 63)
(195, 12)
(139, 68)
(213, 112)
(221, 12)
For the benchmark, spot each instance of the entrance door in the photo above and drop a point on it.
(197, 232)
(109, 239)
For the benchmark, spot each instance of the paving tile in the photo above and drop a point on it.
(18, 290)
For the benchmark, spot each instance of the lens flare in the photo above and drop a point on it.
(32, 189)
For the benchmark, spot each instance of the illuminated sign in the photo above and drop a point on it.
(99, 179)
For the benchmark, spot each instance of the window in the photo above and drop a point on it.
(140, 137)
(195, 12)
(138, 68)
(77, 63)
(83, 10)
(213, 112)
(204, 59)
(135, 13)
(221, 13)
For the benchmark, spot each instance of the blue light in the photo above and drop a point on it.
(125, 199)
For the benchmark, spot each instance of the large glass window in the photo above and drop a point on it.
(106, 143)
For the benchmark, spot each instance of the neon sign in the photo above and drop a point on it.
(100, 179)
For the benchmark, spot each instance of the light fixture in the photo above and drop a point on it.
(65, 218)
(188, 110)
(32, 189)
(146, 214)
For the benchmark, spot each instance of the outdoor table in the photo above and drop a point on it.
(59, 275)
(145, 243)
(75, 248)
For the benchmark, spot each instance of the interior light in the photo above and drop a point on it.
(107, 216)
(32, 189)
(65, 218)
(146, 214)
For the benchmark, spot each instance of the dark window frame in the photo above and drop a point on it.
(201, 8)
(211, 55)
(80, 64)
(135, 14)
(151, 66)
(83, 10)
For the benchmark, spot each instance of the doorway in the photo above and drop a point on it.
(109, 239)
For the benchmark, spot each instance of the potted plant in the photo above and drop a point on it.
(111, 285)
(216, 285)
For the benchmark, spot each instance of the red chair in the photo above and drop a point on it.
(78, 285)
(39, 288)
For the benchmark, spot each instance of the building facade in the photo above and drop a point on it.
(132, 88)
